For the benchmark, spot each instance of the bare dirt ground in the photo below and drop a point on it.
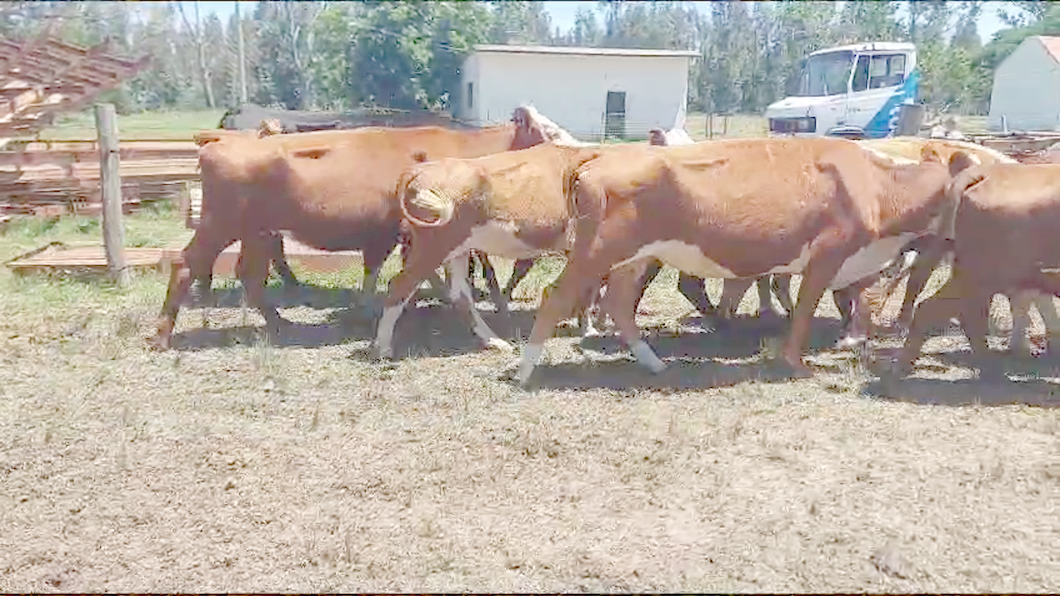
(229, 464)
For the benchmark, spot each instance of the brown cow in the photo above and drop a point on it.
(513, 204)
(333, 190)
(1003, 236)
(824, 207)
(930, 250)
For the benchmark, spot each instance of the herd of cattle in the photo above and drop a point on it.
(853, 217)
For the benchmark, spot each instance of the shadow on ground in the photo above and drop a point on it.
(1028, 381)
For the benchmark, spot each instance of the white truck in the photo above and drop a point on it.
(854, 91)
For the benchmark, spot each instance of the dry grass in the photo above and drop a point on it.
(231, 464)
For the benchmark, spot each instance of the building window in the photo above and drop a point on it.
(470, 95)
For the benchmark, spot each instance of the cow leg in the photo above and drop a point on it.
(374, 257)
(694, 289)
(520, 270)
(820, 270)
(577, 277)
(195, 262)
(975, 317)
(1020, 304)
(782, 287)
(460, 293)
(621, 303)
(432, 276)
(651, 271)
(932, 312)
(732, 290)
(418, 266)
(854, 305)
(924, 265)
(498, 298)
(253, 270)
(1047, 308)
(279, 260)
(765, 298)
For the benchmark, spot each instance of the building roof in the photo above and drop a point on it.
(506, 49)
(886, 46)
(1052, 46)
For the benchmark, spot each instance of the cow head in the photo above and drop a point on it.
(528, 131)
(269, 127)
(533, 128)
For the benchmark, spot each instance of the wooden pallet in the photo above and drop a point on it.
(57, 256)
(308, 257)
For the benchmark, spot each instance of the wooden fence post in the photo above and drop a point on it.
(110, 192)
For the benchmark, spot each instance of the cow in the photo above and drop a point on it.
(513, 204)
(1003, 239)
(931, 250)
(528, 116)
(824, 207)
(333, 190)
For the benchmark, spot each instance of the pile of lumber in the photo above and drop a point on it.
(43, 77)
(40, 78)
(63, 177)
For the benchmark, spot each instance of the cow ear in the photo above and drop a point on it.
(960, 160)
(929, 155)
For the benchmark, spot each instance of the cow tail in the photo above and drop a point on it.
(439, 206)
(954, 195)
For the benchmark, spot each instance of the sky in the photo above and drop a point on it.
(562, 13)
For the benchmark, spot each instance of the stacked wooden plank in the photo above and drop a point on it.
(42, 77)
(57, 177)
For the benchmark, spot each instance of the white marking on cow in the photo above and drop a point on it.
(496, 238)
(896, 159)
(456, 270)
(531, 356)
(870, 259)
(679, 255)
(384, 336)
(646, 356)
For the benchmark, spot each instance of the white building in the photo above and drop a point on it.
(1027, 87)
(580, 89)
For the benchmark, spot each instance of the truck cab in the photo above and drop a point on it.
(854, 91)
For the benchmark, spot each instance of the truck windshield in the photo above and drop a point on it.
(825, 74)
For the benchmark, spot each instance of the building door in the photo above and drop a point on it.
(615, 115)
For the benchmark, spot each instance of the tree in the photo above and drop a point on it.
(197, 34)
(517, 22)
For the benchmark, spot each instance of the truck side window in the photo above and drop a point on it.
(861, 74)
(886, 71)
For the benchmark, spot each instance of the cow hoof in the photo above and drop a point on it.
(796, 369)
(849, 342)
(521, 376)
(500, 345)
(992, 373)
(158, 343)
(386, 353)
(655, 368)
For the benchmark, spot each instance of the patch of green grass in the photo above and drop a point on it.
(155, 226)
(145, 125)
(736, 126)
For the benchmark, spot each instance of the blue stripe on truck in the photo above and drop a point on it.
(886, 120)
